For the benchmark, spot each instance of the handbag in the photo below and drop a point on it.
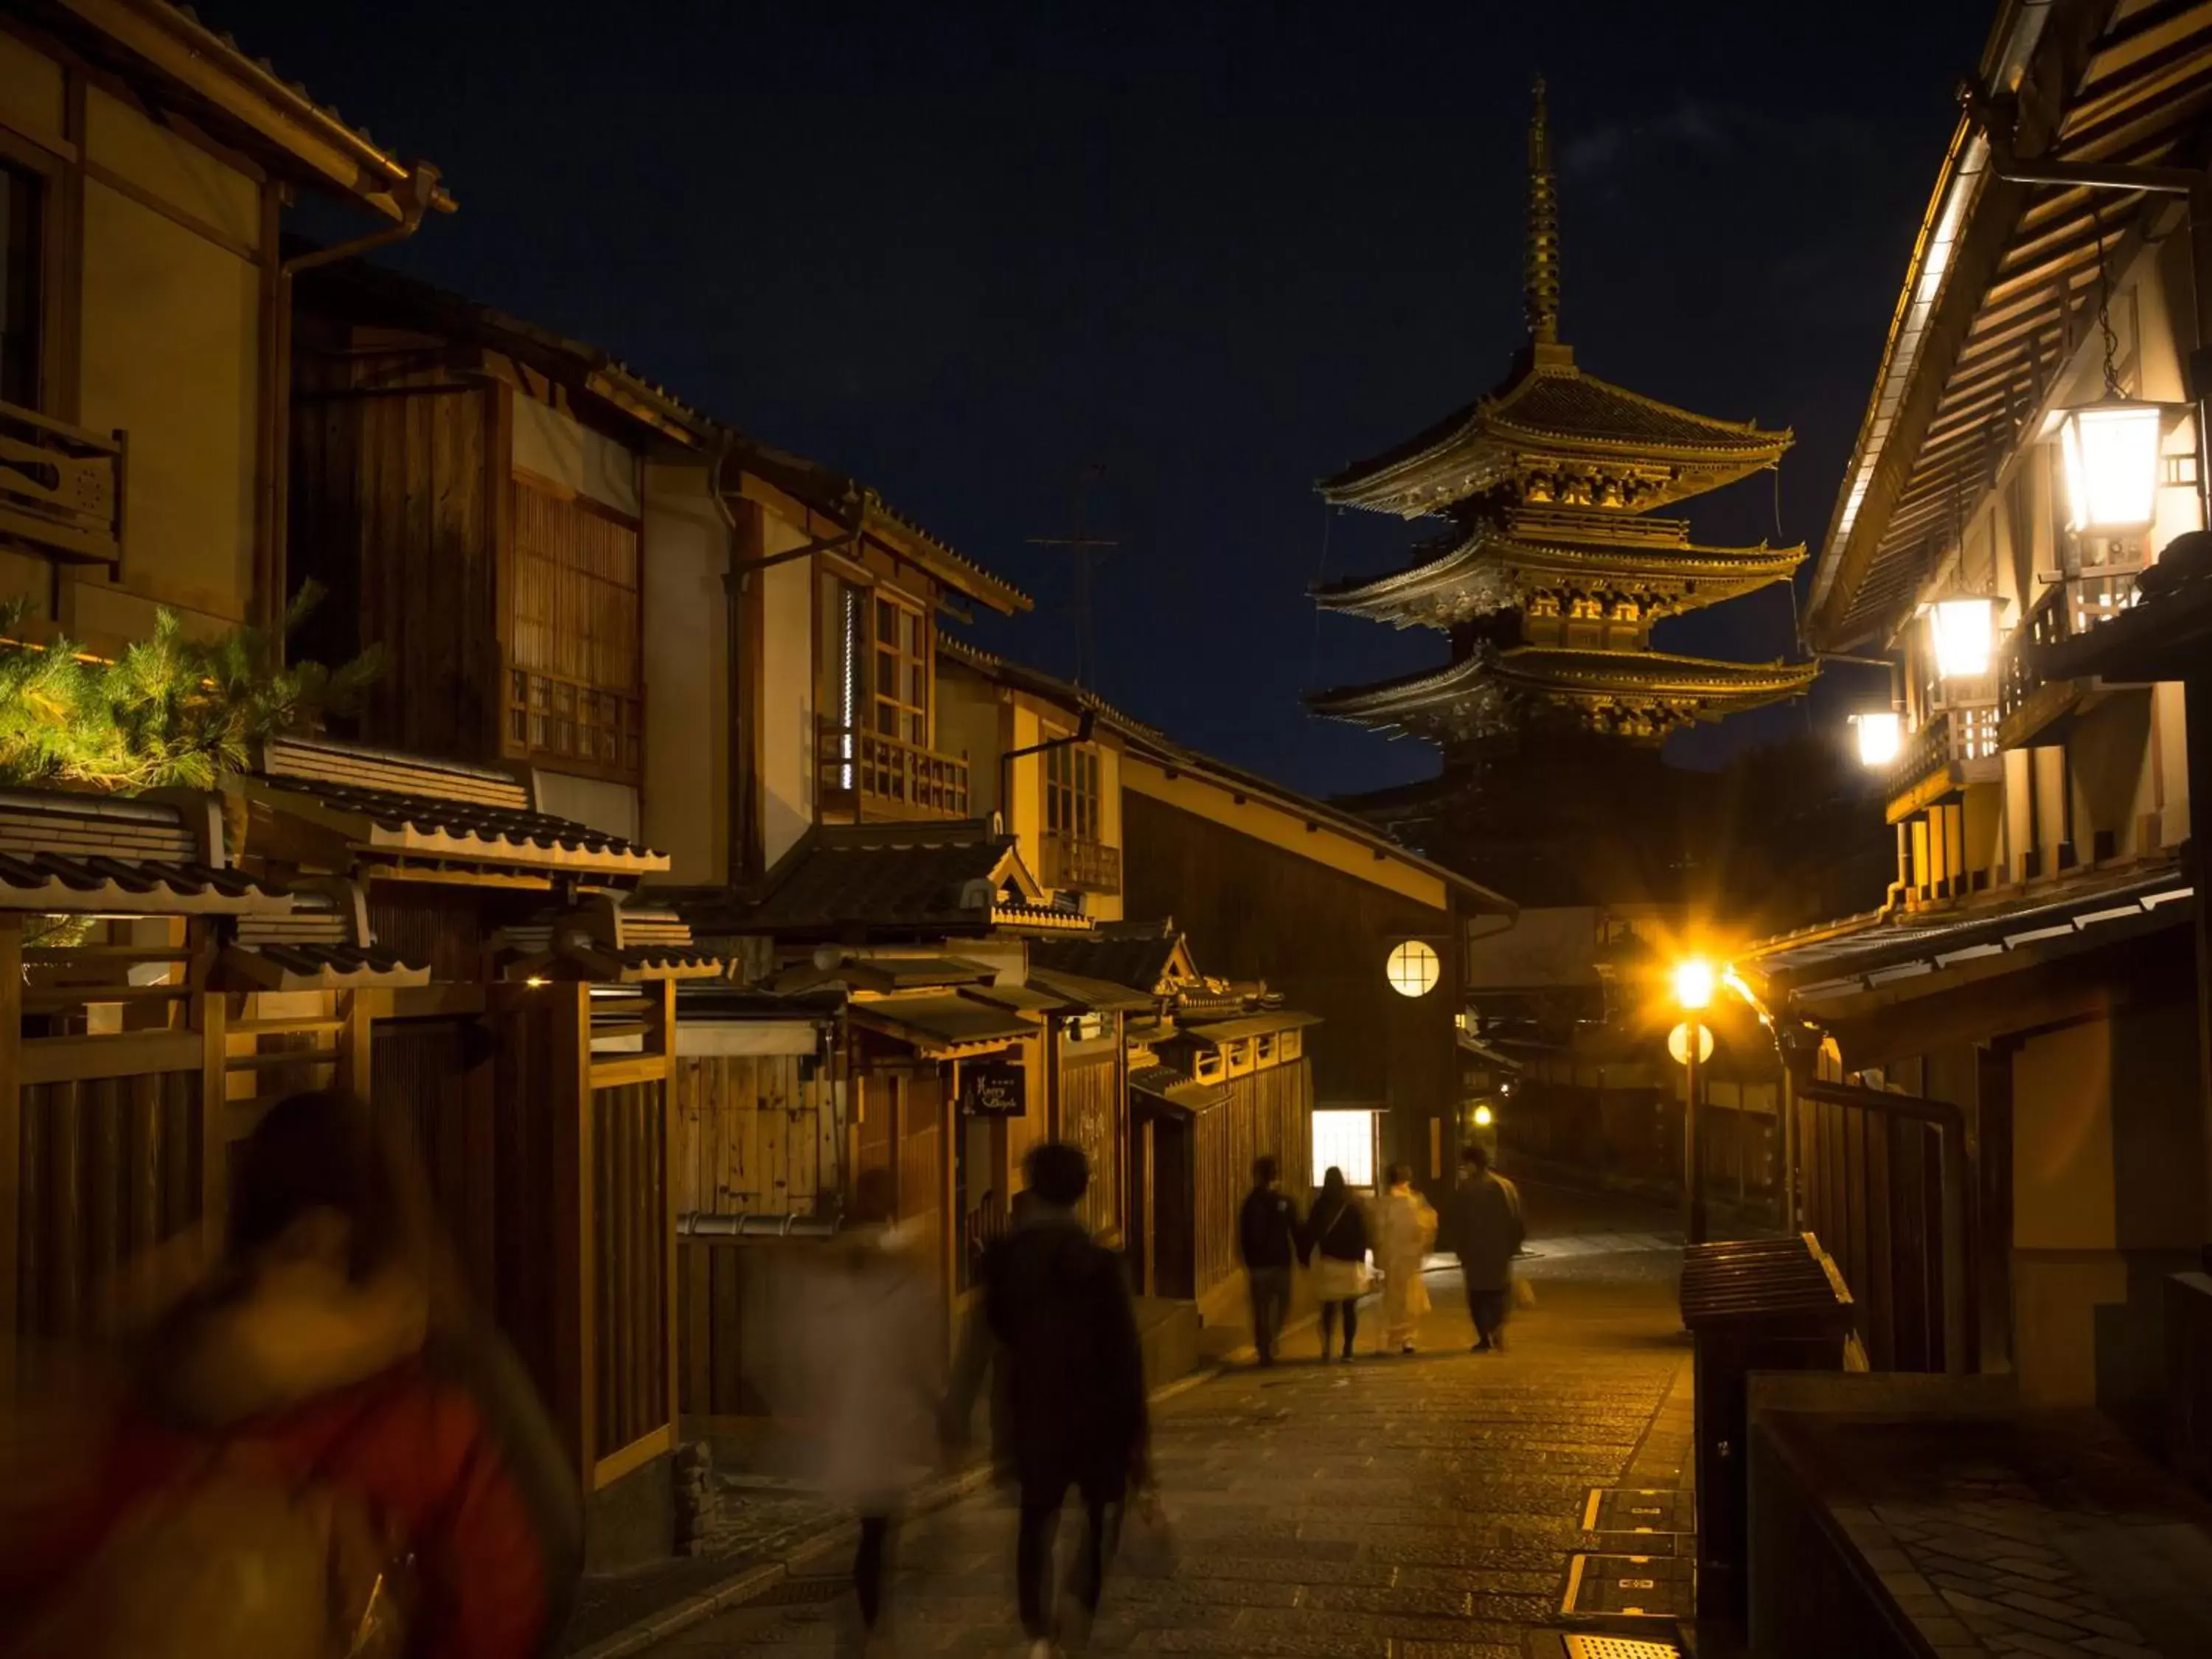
(1336, 1279)
(1147, 1544)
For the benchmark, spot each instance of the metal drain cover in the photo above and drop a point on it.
(1625, 1509)
(1630, 1587)
(1618, 1647)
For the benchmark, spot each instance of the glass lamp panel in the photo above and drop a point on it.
(1962, 633)
(2111, 457)
(1880, 736)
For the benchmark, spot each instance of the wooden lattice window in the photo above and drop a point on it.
(901, 686)
(573, 618)
(1071, 791)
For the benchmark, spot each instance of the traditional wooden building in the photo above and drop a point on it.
(1273, 890)
(1998, 1125)
(1552, 569)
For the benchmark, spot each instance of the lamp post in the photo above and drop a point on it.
(1693, 993)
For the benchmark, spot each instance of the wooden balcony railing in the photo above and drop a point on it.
(61, 488)
(1956, 747)
(1074, 865)
(871, 775)
(2027, 704)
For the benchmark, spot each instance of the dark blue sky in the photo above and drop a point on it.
(963, 251)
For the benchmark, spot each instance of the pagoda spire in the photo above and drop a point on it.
(1540, 279)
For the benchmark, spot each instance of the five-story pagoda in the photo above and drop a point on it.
(1548, 580)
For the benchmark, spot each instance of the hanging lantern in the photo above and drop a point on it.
(1881, 734)
(2110, 454)
(1963, 633)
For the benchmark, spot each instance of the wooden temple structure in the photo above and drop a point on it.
(1553, 566)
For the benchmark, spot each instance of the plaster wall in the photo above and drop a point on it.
(561, 449)
(687, 748)
(788, 691)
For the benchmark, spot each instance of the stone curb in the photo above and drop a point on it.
(741, 1587)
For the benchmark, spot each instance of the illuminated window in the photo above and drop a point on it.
(1414, 968)
(901, 673)
(1345, 1140)
(1070, 791)
(574, 612)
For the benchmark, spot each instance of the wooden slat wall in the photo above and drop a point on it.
(753, 1136)
(1090, 1118)
(110, 1168)
(630, 1224)
(442, 926)
(1874, 1196)
(390, 510)
(738, 1302)
(537, 1071)
(433, 1077)
(574, 639)
(1269, 1112)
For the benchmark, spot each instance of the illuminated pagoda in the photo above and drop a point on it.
(1550, 576)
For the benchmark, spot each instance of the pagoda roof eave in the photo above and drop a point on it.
(1565, 673)
(1733, 570)
(1552, 410)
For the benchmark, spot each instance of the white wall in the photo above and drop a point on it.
(787, 746)
(687, 750)
(608, 807)
(558, 447)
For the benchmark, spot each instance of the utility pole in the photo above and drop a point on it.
(1086, 549)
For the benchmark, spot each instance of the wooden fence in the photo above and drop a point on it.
(1268, 1111)
(1887, 1187)
(755, 1134)
(1090, 1117)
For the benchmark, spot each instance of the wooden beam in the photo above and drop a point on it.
(211, 1011)
(78, 1059)
(630, 1068)
(11, 1142)
(634, 1457)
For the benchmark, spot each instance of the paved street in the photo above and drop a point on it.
(1420, 1508)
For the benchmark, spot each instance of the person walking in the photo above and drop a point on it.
(1267, 1244)
(1336, 1245)
(874, 1325)
(1483, 1228)
(1056, 1318)
(321, 1451)
(1404, 1227)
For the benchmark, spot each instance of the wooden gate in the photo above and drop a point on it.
(1090, 1118)
(1887, 1191)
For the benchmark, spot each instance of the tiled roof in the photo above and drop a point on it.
(1081, 993)
(1840, 962)
(407, 805)
(1657, 673)
(1177, 1089)
(1558, 408)
(1140, 962)
(306, 967)
(64, 852)
(1244, 1025)
(884, 875)
(945, 1021)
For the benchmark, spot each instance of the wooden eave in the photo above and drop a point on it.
(2012, 304)
(1558, 672)
(253, 100)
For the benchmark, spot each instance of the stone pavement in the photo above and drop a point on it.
(1401, 1507)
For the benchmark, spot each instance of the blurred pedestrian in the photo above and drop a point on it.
(1336, 1239)
(319, 1452)
(872, 1326)
(1483, 1228)
(1267, 1243)
(1404, 1227)
(1056, 1319)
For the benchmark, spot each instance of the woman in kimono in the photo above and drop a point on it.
(1404, 1227)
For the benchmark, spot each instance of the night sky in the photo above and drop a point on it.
(968, 252)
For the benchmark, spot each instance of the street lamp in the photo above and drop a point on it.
(2110, 450)
(1880, 735)
(1694, 982)
(1963, 632)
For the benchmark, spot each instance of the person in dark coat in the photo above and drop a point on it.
(1056, 1320)
(1336, 1243)
(1483, 1226)
(1267, 1244)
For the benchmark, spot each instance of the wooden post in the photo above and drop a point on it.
(670, 1320)
(210, 1018)
(563, 1025)
(356, 1040)
(11, 1142)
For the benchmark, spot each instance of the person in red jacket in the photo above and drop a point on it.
(327, 1354)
